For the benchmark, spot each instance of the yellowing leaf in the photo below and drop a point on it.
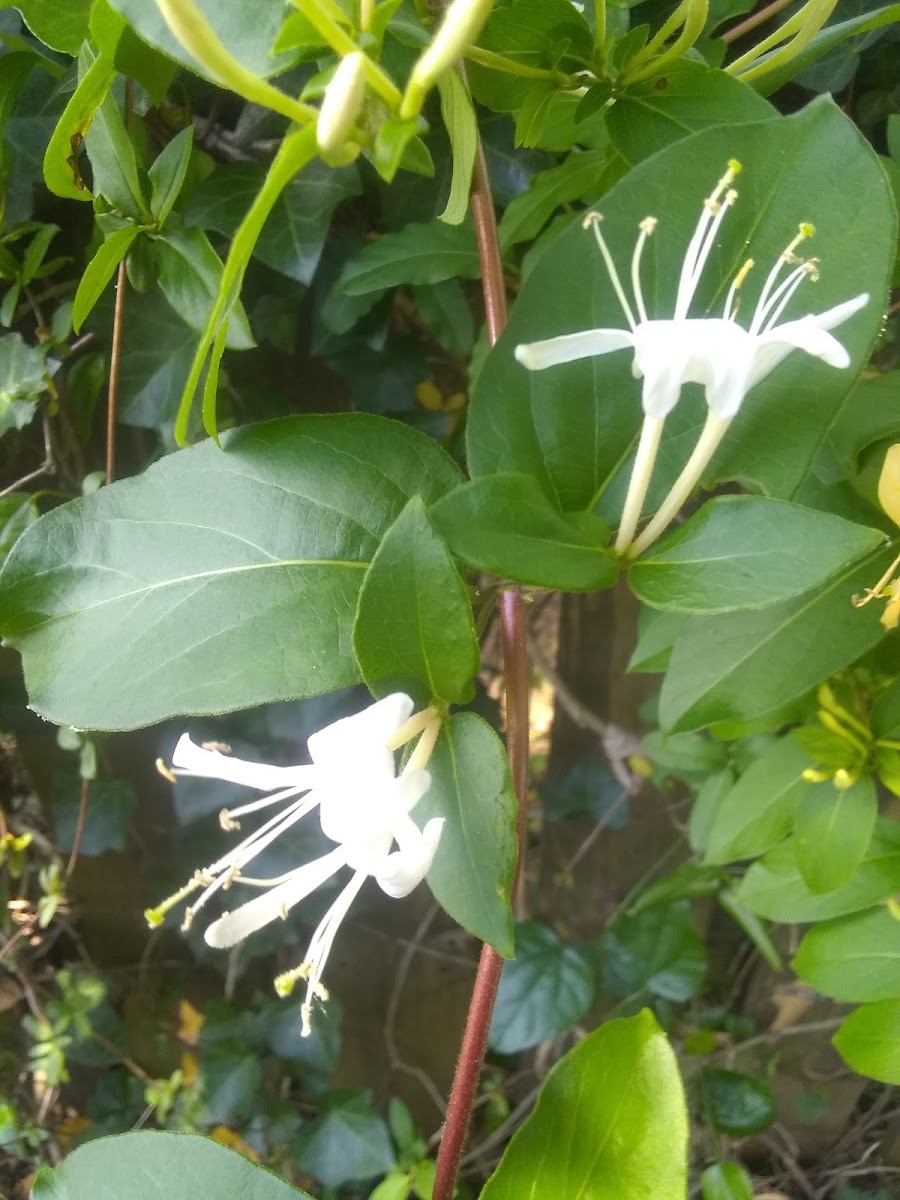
(227, 1137)
(190, 1023)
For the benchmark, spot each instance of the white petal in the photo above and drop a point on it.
(354, 749)
(401, 871)
(210, 764)
(807, 333)
(537, 355)
(832, 317)
(366, 811)
(233, 927)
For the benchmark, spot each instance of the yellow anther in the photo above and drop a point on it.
(165, 771)
(648, 225)
(227, 821)
(730, 196)
(743, 273)
(807, 230)
(591, 218)
(734, 167)
(893, 907)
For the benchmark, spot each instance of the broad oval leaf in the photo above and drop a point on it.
(60, 24)
(610, 1123)
(869, 1040)
(506, 524)
(730, 666)
(774, 888)
(726, 1181)
(216, 580)
(655, 953)
(735, 1103)
(159, 1166)
(472, 873)
(758, 811)
(832, 831)
(546, 988)
(419, 253)
(853, 958)
(573, 426)
(414, 619)
(743, 552)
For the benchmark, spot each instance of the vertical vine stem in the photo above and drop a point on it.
(115, 354)
(515, 671)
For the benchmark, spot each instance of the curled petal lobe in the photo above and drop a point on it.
(571, 346)
(192, 759)
(403, 870)
(354, 749)
(233, 927)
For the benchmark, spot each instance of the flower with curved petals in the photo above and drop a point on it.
(727, 359)
(364, 806)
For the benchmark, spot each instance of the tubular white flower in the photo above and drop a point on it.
(727, 359)
(364, 806)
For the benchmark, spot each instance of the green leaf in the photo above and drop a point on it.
(250, 42)
(574, 426)
(61, 173)
(414, 619)
(397, 144)
(546, 988)
(656, 953)
(657, 633)
(610, 1122)
(506, 524)
(159, 1166)
(222, 580)
(869, 1040)
(886, 712)
(293, 234)
(471, 877)
(347, 1141)
(18, 512)
(23, 369)
(725, 557)
(853, 958)
(774, 888)
(735, 1103)
(726, 1181)
(584, 172)
(168, 172)
(754, 928)
(190, 278)
(823, 43)
(113, 161)
(17, 66)
(294, 153)
(417, 254)
(690, 881)
(731, 666)
(100, 271)
(445, 310)
(758, 811)
(462, 129)
(832, 831)
(647, 119)
(36, 252)
(60, 24)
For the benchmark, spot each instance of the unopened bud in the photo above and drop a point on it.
(341, 103)
(460, 27)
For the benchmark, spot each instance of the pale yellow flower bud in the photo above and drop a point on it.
(460, 27)
(341, 104)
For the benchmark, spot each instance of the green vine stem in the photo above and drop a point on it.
(515, 670)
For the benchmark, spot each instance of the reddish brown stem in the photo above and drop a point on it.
(755, 19)
(79, 827)
(115, 354)
(515, 667)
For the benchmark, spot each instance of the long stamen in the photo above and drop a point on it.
(155, 916)
(263, 802)
(708, 241)
(647, 227)
(787, 256)
(262, 837)
(731, 300)
(782, 296)
(592, 220)
(711, 208)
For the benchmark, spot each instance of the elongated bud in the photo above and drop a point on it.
(341, 104)
(460, 27)
(889, 484)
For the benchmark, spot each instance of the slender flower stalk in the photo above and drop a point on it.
(364, 807)
(726, 358)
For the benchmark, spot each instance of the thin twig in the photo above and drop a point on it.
(79, 827)
(115, 354)
(602, 823)
(46, 466)
(754, 20)
(390, 1021)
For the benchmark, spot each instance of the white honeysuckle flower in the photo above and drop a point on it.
(727, 359)
(364, 806)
